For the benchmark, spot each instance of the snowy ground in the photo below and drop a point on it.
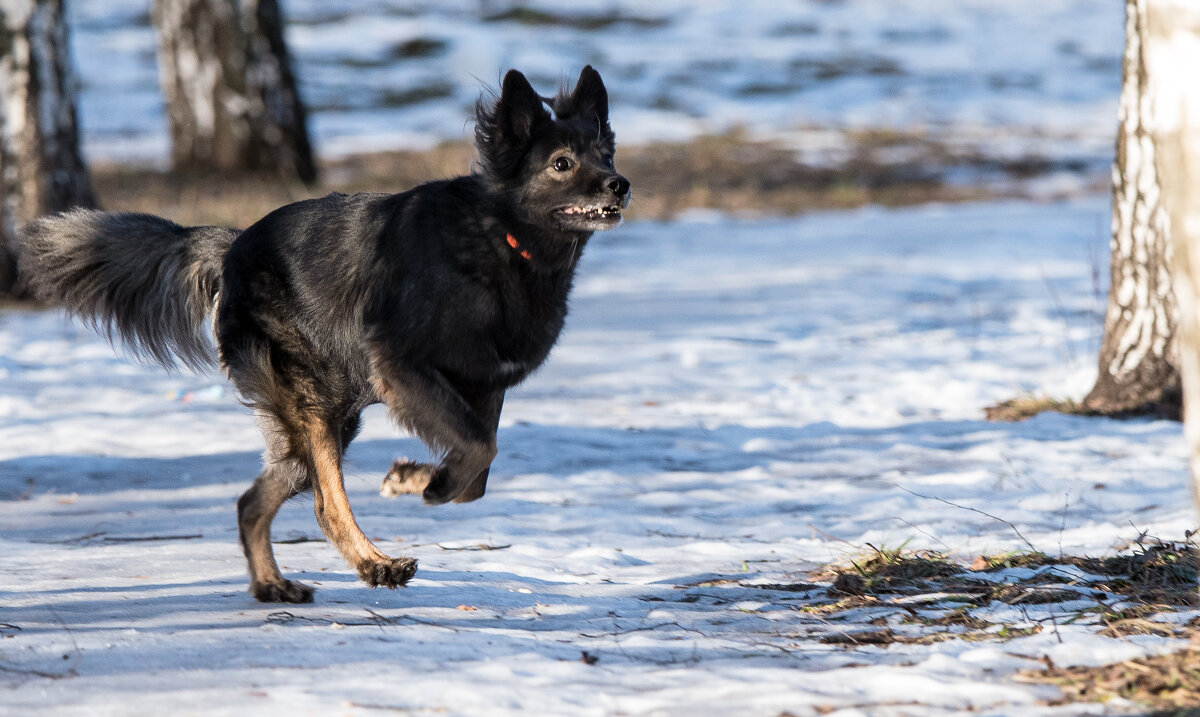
(1008, 77)
(733, 399)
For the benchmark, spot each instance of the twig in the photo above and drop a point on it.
(922, 532)
(1067, 345)
(380, 620)
(391, 708)
(784, 650)
(1063, 525)
(823, 534)
(150, 538)
(80, 539)
(973, 510)
(69, 672)
(38, 673)
(480, 546)
(1054, 623)
(619, 631)
(284, 617)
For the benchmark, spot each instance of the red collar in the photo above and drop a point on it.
(512, 241)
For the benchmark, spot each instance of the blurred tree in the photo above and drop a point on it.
(41, 169)
(1138, 365)
(1171, 35)
(231, 97)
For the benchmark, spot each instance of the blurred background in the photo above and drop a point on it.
(745, 105)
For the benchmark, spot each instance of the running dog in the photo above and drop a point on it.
(434, 302)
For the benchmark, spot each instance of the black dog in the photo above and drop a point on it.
(433, 301)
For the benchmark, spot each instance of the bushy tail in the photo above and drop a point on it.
(145, 279)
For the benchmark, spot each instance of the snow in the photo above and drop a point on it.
(733, 398)
(1037, 76)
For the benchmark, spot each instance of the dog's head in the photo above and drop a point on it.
(555, 172)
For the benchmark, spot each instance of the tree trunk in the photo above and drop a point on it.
(41, 169)
(1172, 55)
(1138, 366)
(232, 103)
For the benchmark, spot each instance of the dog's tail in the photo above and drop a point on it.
(145, 279)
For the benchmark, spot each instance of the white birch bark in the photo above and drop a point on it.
(1172, 55)
(1137, 366)
(41, 168)
(232, 103)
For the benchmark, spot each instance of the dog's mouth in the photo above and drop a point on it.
(609, 214)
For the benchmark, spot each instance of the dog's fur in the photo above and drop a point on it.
(433, 301)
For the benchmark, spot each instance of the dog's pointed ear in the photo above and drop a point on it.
(590, 98)
(519, 108)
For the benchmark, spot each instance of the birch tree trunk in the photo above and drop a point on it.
(1138, 370)
(232, 103)
(1172, 40)
(41, 169)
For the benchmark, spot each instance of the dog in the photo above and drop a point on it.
(434, 302)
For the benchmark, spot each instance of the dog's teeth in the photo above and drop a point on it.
(591, 211)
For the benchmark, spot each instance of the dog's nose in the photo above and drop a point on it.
(619, 186)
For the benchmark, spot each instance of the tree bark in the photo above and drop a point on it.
(41, 168)
(232, 102)
(1138, 367)
(1172, 55)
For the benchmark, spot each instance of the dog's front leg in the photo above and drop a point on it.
(487, 407)
(423, 400)
(408, 477)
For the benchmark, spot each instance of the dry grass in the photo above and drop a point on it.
(1128, 594)
(728, 172)
(892, 570)
(733, 173)
(1025, 407)
(239, 200)
(1121, 595)
(1168, 684)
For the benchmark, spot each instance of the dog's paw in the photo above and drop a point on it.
(406, 477)
(282, 591)
(474, 491)
(440, 489)
(388, 573)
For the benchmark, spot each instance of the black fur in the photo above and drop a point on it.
(145, 278)
(434, 301)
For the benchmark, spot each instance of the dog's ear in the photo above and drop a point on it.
(519, 109)
(589, 99)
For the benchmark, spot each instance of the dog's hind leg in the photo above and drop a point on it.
(283, 476)
(256, 509)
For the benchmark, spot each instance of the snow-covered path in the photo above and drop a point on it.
(735, 402)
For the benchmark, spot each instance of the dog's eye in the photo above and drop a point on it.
(608, 161)
(562, 164)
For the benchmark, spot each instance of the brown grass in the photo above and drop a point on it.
(1169, 684)
(239, 200)
(1154, 579)
(729, 172)
(1025, 407)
